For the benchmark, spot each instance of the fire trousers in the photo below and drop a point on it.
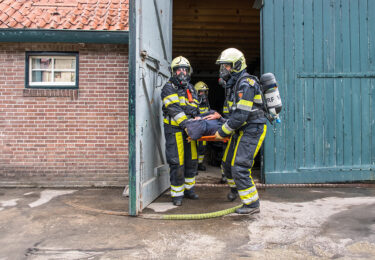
(238, 160)
(201, 150)
(182, 158)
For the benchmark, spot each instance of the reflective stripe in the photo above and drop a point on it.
(225, 110)
(258, 99)
(247, 191)
(192, 104)
(260, 140)
(200, 158)
(177, 191)
(180, 147)
(194, 153)
(226, 129)
(235, 149)
(248, 199)
(180, 117)
(245, 105)
(189, 183)
(203, 110)
(182, 101)
(226, 149)
(166, 121)
(170, 99)
(178, 188)
(231, 183)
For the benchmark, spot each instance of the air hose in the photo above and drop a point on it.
(219, 213)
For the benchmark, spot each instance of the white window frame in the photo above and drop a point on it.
(52, 83)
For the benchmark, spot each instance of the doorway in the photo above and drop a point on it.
(201, 31)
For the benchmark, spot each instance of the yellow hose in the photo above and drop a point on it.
(215, 214)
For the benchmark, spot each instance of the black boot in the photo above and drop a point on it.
(190, 194)
(201, 167)
(233, 194)
(177, 201)
(223, 179)
(249, 209)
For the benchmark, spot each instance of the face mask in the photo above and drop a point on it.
(182, 78)
(224, 73)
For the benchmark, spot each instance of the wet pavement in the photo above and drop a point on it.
(294, 223)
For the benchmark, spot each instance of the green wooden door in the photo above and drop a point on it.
(323, 55)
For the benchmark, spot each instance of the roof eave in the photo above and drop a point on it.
(67, 36)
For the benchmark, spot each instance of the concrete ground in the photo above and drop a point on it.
(294, 223)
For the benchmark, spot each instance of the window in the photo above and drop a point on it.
(51, 70)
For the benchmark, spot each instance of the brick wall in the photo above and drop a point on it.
(66, 138)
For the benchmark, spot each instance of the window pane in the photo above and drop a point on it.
(65, 63)
(65, 76)
(41, 76)
(41, 63)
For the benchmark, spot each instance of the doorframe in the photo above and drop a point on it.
(132, 119)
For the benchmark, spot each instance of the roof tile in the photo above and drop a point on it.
(65, 14)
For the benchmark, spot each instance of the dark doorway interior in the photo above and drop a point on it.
(202, 29)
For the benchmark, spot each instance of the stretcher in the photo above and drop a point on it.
(212, 138)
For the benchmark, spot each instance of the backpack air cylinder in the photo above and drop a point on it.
(271, 94)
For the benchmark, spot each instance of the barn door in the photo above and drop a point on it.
(151, 49)
(322, 53)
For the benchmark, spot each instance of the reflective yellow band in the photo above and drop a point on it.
(245, 105)
(247, 191)
(166, 121)
(189, 183)
(249, 198)
(260, 140)
(182, 101)
(194, 154)
(226, 129)
(225, 110)
(231, 183)
(230, 103)
(180, 117)
(258, 99)
(177, 188)
(180, 147)
(170, 99)
(226, 149)
(192, 104)
(235, 149)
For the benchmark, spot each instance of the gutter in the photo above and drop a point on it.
(67, 36)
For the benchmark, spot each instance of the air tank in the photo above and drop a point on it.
(271, 95)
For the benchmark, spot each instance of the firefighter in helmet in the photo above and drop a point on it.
(180, 104)
(201, 89)
(246, 126)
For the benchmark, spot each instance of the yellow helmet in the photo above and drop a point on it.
(181, 62)
(233, 57)
(200, 85)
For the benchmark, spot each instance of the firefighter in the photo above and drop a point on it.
(180, 104)
(246, 126)
(201, 89)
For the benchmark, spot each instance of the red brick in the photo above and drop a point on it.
(49, 134)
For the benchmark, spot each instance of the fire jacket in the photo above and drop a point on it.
(179, 104)
(244, 104)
